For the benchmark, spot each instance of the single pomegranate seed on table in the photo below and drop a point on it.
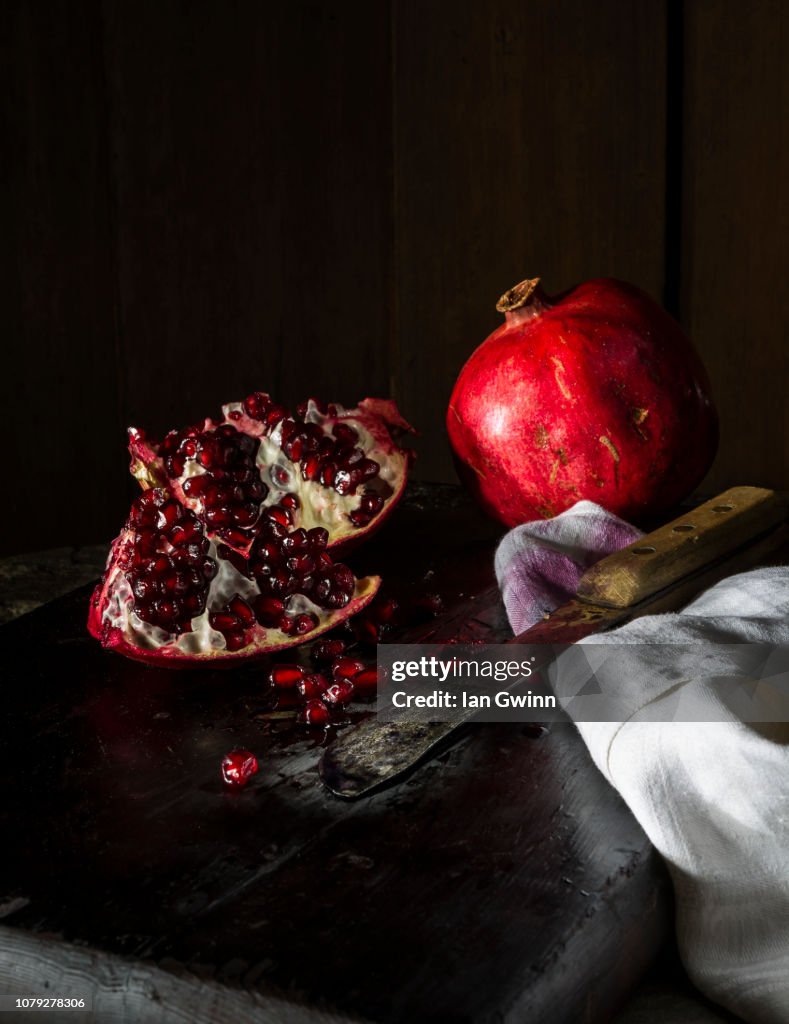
(366, 681)
(346, 668)
(312, 686)
(238, 767)
(339, 693)
(314, 713)
(286, 676)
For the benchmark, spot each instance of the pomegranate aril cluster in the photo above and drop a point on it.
(284, 563)
(168, 566)
(340, 679)
(333, 460)
(222, 478)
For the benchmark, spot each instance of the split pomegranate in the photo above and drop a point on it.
(595, 394)
(231, 551)
(172, 596)
(323, 468)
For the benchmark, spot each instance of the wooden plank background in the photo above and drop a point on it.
(328, 196)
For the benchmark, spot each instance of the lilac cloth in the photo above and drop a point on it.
(539, 564)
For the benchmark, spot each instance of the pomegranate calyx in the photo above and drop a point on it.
(526, 299)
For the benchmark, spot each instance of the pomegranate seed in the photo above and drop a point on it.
(312, 686)
(295, 541)
(168, 516)
(337, 599)
(257, 405)
(275, 414)
(359, 518)
(304, 624)
(238, 767)
(321, 589)
(345, 434)
(302, 564)
(343, 482)
(188, 448)
(311, 467)
(224, 622)
(371, 502)
(324, 651)
(286, 676)
(286, 625)
(174, 464)
(218, 516)
(209, 568)
(160, 564)
(193, 604)
(239, 607)
(294, 448)
(368, 468)
(290, 501)
(268, 610)
(235, 641)
(280, 515)
(183, 533)
(194, 486)
(245, 515)
(346, 668)
(317, 539)
(343, 578)
(167, 610)
(314, 713)
(327, 474)
(366, 681)
(339, 693)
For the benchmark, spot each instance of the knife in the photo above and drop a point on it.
(660, 572)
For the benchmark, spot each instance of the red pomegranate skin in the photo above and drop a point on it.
(594, 394)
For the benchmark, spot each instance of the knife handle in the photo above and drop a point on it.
(695, 540)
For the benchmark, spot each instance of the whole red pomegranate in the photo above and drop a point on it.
(231, 550)
(596, 394)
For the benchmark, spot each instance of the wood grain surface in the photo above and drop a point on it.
(504, 881)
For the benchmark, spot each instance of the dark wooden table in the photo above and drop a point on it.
(505, 881)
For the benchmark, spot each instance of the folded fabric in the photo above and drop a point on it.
(713, 797)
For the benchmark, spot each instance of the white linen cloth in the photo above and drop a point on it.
(713, 797)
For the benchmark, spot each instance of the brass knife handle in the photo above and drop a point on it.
(695, 540)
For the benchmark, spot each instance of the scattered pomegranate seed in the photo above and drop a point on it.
(286, 676)
(312, 686)
(366, 681)
(346, 668)
(238, 767)
(339, 693)
(314, 713)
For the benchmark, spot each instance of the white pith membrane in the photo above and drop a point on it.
(118, 610)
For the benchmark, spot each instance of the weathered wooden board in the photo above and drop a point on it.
(503, 881)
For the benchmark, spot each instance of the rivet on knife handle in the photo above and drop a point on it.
(711, 531)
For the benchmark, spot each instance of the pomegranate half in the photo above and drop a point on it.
(595, 394)
(230, 552)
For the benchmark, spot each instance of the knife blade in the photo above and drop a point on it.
(660, 572)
